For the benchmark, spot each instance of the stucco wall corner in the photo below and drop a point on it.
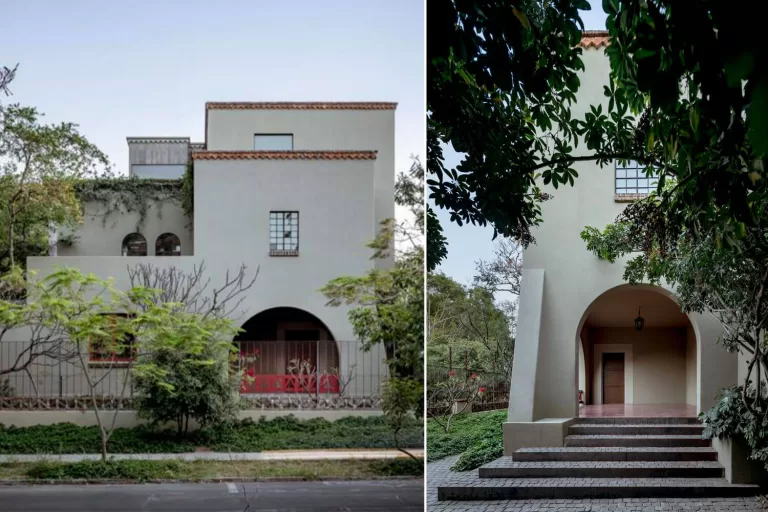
(523, 386)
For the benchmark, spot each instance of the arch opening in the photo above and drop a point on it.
(288, 350)
(637, 355)
(167, 244)
(134, 244)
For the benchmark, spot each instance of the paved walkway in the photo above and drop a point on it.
(440, 470)
(273, 455)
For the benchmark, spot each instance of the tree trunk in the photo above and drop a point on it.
(104, 440)
(10, 238)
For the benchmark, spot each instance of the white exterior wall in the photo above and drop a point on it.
(561, 279)
(317, 130)
(102, 235)
(339, 202)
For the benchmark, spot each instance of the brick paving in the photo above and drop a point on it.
(438, 473)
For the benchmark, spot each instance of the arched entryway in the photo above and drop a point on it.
(288, 350)
(637, 355)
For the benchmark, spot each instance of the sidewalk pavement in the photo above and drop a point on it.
(270, 455)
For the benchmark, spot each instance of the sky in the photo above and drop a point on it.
(146, 68)
(468, 243)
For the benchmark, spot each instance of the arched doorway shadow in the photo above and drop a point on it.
(287, 350)
(629, 368)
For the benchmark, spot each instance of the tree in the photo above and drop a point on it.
(727, 280)
(38, 165)
(686, 98)
(467, 326)
(122, 329)
(45, 343)
(498, 74)
(504, 272)
(6, 77)
(389, 303)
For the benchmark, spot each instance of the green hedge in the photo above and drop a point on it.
(476, 436)
(284, 433)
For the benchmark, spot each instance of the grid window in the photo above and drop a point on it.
(631, 179)
(284, 233)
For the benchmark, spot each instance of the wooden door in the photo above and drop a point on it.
(613, 378)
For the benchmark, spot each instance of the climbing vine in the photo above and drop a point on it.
(124, 195)
(188, 191)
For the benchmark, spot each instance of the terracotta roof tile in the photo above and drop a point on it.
(284, 155)
(594, 39)
(281, 105)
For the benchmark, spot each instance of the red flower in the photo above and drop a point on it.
(452, 373)
(481, 389)
(473, 376)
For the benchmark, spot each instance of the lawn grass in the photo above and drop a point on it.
(144, 470)
(283, 433)
(470, 435)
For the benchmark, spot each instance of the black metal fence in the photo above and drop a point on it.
(495, 396)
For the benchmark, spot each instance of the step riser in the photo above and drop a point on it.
(573, 493)
(650, 430)
(639, 421)
(639, 443)
(616, 456)
(601, 472)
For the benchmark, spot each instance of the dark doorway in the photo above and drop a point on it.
(613, 378)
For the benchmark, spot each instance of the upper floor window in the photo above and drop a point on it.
(134, 245)
(631, 179)
(273, 142)
(167, 244)
(283, 233)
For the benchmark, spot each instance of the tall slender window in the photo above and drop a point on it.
(284, 233)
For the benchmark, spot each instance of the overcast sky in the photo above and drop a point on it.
(468, 243)
(146, 68)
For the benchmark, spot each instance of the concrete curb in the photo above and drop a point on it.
(31, 482)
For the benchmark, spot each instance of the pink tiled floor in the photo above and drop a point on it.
(638, 411)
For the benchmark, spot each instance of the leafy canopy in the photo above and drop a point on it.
(687, 97)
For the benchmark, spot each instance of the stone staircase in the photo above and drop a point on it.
(605, 458)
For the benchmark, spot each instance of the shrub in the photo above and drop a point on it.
(467, 430)
(112, 469)
(193, 386)
(398, 467)
(480, 453)
(730, 418)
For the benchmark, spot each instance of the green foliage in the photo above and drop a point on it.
(389, 302)
(182, 386)
(283, 433)
(468, 429)
(38, 165)
(437, 244)
(500, 76)
(482, 452)
(402, 401)
(188, 190)
(121, 195)
(685, 99)
(139, 470)
(725, 419)
(466, 324)
(398, 467)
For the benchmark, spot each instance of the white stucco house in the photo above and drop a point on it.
(295, 190)
(603, 404)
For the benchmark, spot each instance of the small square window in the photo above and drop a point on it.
(284, 233)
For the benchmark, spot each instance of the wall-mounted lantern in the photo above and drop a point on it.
(639, 321)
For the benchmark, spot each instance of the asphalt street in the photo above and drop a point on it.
(394, 495)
